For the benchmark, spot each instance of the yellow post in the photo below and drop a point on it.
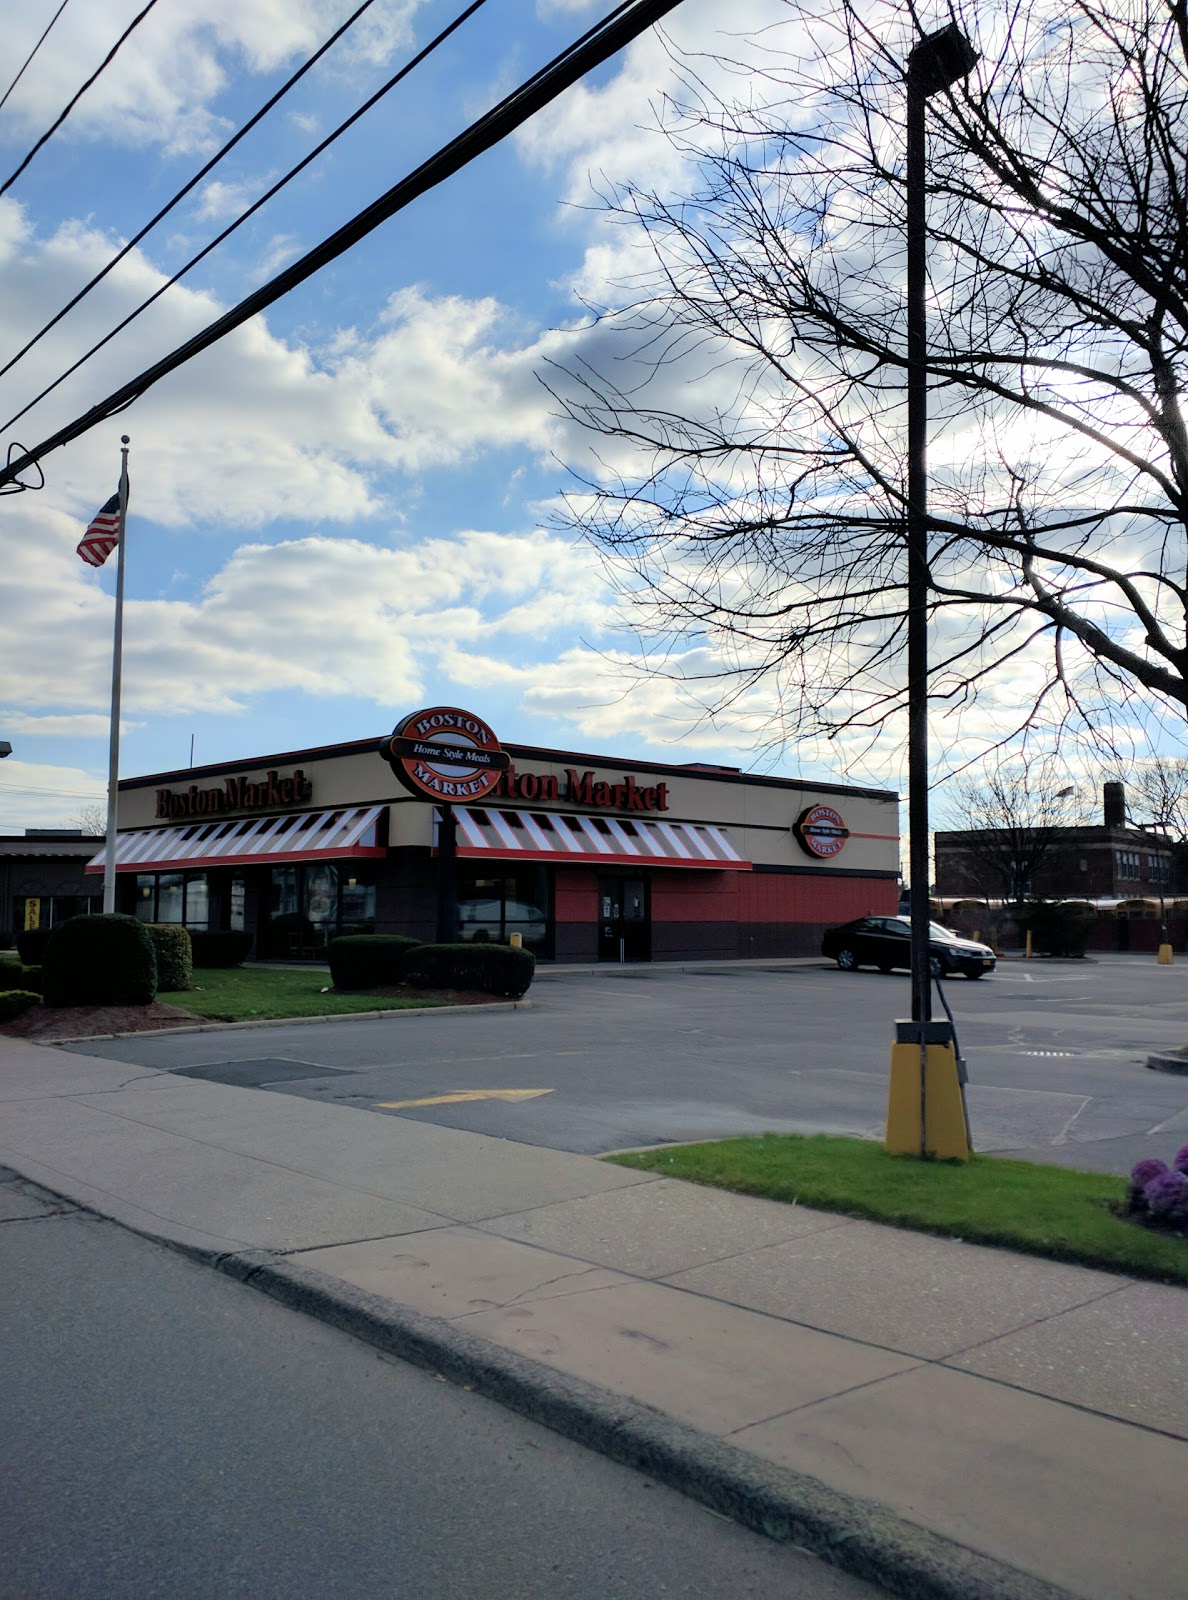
(1027, 951)
(926, 1113)
(1165, 955)
(517, 940)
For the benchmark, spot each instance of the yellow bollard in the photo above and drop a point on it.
(926, 1119)
(1027, 951)
(517, 941)
(1164, 957)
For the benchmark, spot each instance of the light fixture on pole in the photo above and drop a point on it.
(936, 62)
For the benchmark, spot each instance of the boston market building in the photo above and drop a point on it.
(441, 832)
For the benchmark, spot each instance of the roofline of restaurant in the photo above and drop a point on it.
(517, 751)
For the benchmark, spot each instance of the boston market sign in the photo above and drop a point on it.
(449, 754)
(445, 753)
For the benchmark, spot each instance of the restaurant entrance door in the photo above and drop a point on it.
(300, 914)
(624, 918)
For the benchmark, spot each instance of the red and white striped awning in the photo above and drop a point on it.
(251, 841)
(564, 835)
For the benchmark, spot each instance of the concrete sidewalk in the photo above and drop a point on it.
(947, 1419)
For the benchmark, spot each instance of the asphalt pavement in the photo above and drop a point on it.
(949, 1420)
(167, 1432)
(619, 1058)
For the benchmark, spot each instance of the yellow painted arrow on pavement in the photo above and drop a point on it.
(463, 1094)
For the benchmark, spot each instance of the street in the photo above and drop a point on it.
(165, 1431)
(637, 1056)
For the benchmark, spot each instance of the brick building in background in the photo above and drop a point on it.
(1129, 875)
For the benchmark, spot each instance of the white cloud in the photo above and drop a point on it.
(163, 85)
(78, 725)
(219, 201)
(40, 795)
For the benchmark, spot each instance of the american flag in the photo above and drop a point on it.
(103, 535)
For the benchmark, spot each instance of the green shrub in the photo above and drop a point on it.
(490, 968)
(219, 947)
(32, 978)
(15, 1002)
(100, 960)
(175, 961)
(7, 940)
(31, 943)
(369, 960)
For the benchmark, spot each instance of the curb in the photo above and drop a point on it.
(290, 1022)
(858, 1536)
(1168, 1064)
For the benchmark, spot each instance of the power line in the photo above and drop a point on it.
(240, 220)
(595, 46)
(181, 194)
(103, 65)
(32, 53)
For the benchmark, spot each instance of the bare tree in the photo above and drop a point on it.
(1011, 823)
(750, 486)
(1160, 788)
(92, 819)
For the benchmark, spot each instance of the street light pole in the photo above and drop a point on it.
(938, 61)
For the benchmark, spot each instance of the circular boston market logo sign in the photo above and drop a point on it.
(445, 754)
(821, 831)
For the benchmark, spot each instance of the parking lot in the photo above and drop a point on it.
(627, 1056)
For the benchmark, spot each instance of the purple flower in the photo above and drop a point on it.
(1167, 1193)
(1181, 1161)
(1144, 1171)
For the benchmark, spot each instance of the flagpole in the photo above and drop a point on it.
(113, 756)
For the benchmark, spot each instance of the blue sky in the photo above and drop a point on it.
(348, 508)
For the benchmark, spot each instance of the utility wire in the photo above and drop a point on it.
(103, 65)
(244, 216)
(615, 30)
(182, 193)
(32, 53)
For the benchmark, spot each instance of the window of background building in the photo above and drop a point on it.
(1129, 864)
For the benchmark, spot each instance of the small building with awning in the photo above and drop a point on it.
(586, 857)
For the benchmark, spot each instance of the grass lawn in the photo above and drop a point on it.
(240, 994)
(1046, 1211)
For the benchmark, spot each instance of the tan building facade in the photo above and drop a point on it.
(586, 857)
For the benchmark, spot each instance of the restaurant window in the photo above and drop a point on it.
(179, 897)
(492, 905)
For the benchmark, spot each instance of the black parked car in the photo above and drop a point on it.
(884, 942)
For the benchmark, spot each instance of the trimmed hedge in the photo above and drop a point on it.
(15, 1002)
(175, 961)
(31, 943)
(100, 960)
(490, 968)
(219, 947)
(32, 978)
(369, 960)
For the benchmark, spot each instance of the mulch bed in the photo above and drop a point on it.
(49, 1023)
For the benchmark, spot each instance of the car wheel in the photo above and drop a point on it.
(847, 960)
(937, 967)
